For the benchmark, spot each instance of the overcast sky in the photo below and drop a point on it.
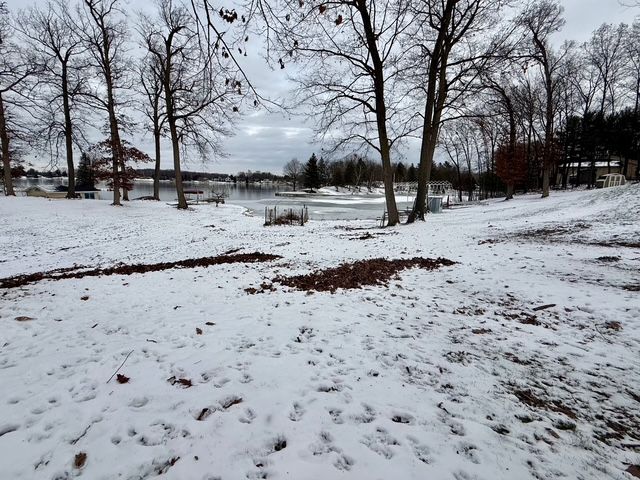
(265, 141)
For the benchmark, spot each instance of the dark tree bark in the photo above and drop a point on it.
(393, 217)
(6, 155)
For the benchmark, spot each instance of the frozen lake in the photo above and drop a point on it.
(256, 197)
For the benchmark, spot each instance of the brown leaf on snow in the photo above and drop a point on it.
(122, 378)
(204, 414)
(374, 271)
(198, 331)
(480, 331)
(185, 382)
(79, 460)
(634, 470)
(121, 269)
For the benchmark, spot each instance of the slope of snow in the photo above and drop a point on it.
(448, 374)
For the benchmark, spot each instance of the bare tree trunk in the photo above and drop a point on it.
(547, 157)
(6, 156)
(123, 172)
(510, 190)
(156, 173)
(68, 133)
(116, 144)
(381, 114)
(512, 146)
(182, 201)
(115, 149)
(427, 150)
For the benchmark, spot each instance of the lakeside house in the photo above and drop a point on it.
(587, 172)
(40, 191)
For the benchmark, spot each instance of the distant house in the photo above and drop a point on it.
(88, 194)
(39, 191)
(587, 172)
(60, 192)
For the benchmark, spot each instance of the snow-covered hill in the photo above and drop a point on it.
(520, 361)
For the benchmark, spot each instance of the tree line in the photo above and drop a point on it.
(359, 173)
(479, 80)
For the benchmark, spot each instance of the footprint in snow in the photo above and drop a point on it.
(296, 414)
(247, 417)
(336, 415)
(344, 462)
(138, 402)
(380, 442)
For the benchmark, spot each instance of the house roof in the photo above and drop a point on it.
(587, 164)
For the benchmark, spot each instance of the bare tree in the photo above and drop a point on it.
(293, 170)
(540, 19)
(49, 32)
(450, 58)
(632, 54)
(104, 32)
(152, 89)
(460, 145)
(198, 87)
(15, 68)
(606, 54)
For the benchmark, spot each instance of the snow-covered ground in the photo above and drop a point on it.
(447, 374)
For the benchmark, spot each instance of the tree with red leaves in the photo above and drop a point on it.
(129, 154)
(511, 165)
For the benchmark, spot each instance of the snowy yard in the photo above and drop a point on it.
(465, 372)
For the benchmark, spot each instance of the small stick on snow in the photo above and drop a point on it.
(121, 365)
(544, 307)
(603, 337)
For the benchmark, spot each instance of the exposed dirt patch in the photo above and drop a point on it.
(369, 235)
(613, 325)
(528, 397)
(608, 259)
(81, 272)
(376, 271)
(489, 241)
(616, 243)
(264, 288)
(551, 231)
(481, 331)
(633, 470)
(521, 317)
(617, 425)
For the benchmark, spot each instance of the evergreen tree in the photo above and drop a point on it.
(350, 173)
(312, 173)
(337, 174)
(325, 172)
(412, 174)
(400, 173)
(85, 178)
